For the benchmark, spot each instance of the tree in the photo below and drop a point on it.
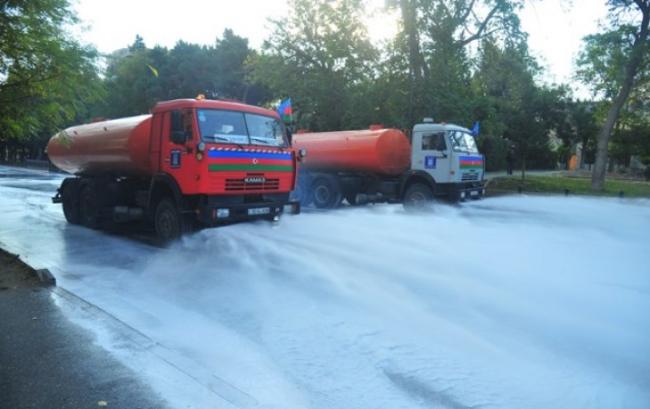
(434, 40)
(137, 77)
(47, 79)
(514, 107)
(319, 55)
(133, 87)
(616, 57)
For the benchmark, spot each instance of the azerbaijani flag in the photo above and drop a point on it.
(471, 162)
(285, 111)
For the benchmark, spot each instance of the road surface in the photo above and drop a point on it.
(508, 302)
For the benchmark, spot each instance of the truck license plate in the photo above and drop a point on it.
(473, 193)
(258, 211)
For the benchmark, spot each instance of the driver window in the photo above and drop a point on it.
(181, 123)
(177, 123)
(434, 142)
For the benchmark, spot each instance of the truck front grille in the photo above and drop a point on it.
(241, 185)
(469, 176)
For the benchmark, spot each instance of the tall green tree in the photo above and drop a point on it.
(47, 79)
(434, 40)
(137, 77)
(513, 106)
(616, 61)
(319, 55)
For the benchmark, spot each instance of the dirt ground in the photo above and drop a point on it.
(15, 274)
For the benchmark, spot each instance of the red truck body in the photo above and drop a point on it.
(120, 145)
(180, 151)
(382, 151)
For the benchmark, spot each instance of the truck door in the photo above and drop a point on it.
(430, 154)
(178, 141)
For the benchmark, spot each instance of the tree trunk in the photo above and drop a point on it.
(638, 49)
(409, 19)
(523, 167)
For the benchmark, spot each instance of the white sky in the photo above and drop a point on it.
(556, 27)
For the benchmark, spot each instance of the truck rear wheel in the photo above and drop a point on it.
(167, 221)
(70, 201)
(326, 193)
(351, 198)
(88, 208)
(417, 196)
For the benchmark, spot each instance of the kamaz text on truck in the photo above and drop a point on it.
(189, 161)
(383, 165)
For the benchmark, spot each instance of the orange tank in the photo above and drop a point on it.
(118, 147)
(383, 151)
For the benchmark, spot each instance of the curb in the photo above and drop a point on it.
(46, 277)
(42, 274)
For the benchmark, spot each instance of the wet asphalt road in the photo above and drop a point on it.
(48, 362)
(509, 302)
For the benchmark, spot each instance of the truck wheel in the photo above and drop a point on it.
(351, 198)
(70, 202)
(417, 196)
(88, 209)
(326, 193)
(167, 221)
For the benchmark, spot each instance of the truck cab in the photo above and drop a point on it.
(189, 162)
(448, 154)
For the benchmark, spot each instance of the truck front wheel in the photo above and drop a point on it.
(167, 221)
(417, 196)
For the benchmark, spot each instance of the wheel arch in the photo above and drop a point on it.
(163, 185)
(416, 176)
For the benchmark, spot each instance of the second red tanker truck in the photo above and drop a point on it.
(383, 165)
(190, 160)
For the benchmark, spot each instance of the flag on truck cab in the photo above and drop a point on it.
(475, 129)
(285, 111)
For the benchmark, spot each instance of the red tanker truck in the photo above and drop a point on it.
(383, 165)
(190, 160)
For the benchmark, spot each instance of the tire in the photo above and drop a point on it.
(88, 207)
(351, 198)
(167, 222)
(418, 196)
(325, 192)
(70, 202)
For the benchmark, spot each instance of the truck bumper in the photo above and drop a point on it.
(473, 190)
(213, 214)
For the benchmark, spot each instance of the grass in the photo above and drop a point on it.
(575, 185)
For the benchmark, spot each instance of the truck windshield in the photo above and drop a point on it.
(240, 128)
(462, 142)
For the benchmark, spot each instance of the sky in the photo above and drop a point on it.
(555, 27)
